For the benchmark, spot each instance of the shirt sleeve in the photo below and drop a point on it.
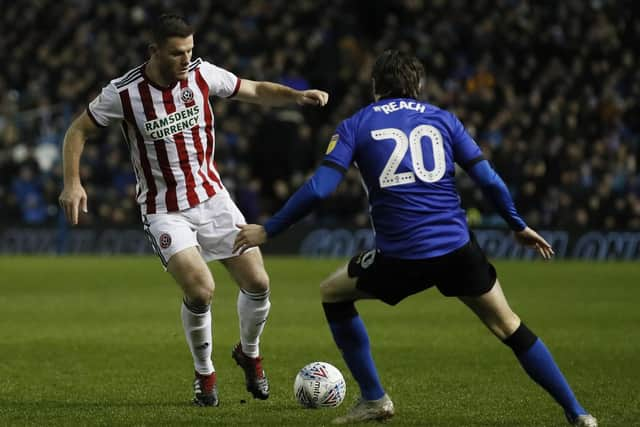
(496, 190)
(106, 107)
(341, 148)
(466, 152)
(221, 82)
(328, 176)
(319, 186)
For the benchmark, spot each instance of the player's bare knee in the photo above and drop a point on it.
(198, 286)
(200, 295)
(328, 291)
(504, 326)
(512, 323)
(259, 282)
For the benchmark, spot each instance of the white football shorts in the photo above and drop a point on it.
(211, 226)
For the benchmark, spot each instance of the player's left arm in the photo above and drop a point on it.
(496, 190)
(276, 95)
(469, 156)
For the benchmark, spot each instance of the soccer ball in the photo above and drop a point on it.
(319, 385)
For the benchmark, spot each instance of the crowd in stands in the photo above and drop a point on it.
(550, 91)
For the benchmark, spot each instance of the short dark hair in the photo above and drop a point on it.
(170, 25)
(397, 75)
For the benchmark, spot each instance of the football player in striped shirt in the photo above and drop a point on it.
(406, 151)
(163, 107)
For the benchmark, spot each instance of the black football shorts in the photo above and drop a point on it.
(463, 272)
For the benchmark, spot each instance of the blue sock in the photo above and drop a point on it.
(537, 361)
(351, 338)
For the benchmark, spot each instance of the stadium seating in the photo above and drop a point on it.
(550, 91)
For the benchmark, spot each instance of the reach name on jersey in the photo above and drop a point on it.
(173, 123)
(393, 106)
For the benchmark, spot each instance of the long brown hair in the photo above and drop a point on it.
(397, 75)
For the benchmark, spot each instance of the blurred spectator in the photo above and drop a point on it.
(550, 91)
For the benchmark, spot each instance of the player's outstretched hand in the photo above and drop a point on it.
(313, 97)
(71, 200)
(531, 239)
(250, 235)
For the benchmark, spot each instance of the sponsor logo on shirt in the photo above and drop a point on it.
(173, 123)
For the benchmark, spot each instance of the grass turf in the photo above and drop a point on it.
(98, 341)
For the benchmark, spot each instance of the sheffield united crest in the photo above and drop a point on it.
(186, 95)
(165, 240)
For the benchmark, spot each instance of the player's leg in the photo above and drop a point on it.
(194, 278)
(216, 233)
(253, 309)
(174, 240)
(494, 311)
(253, 302)
(339, 293)
(253, 298)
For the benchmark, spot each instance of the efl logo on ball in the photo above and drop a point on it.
(319, 385)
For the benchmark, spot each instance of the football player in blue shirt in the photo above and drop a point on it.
(406, 152)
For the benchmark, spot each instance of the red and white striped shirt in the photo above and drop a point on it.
(169, 132)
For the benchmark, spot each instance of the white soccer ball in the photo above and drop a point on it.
(319, 385)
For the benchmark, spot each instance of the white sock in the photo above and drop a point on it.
(197, 329)
(253, 309)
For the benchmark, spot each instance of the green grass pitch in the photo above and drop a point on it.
(98, 341)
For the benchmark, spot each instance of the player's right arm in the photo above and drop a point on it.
(102, 111)
(324, 181)
(73, 196)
